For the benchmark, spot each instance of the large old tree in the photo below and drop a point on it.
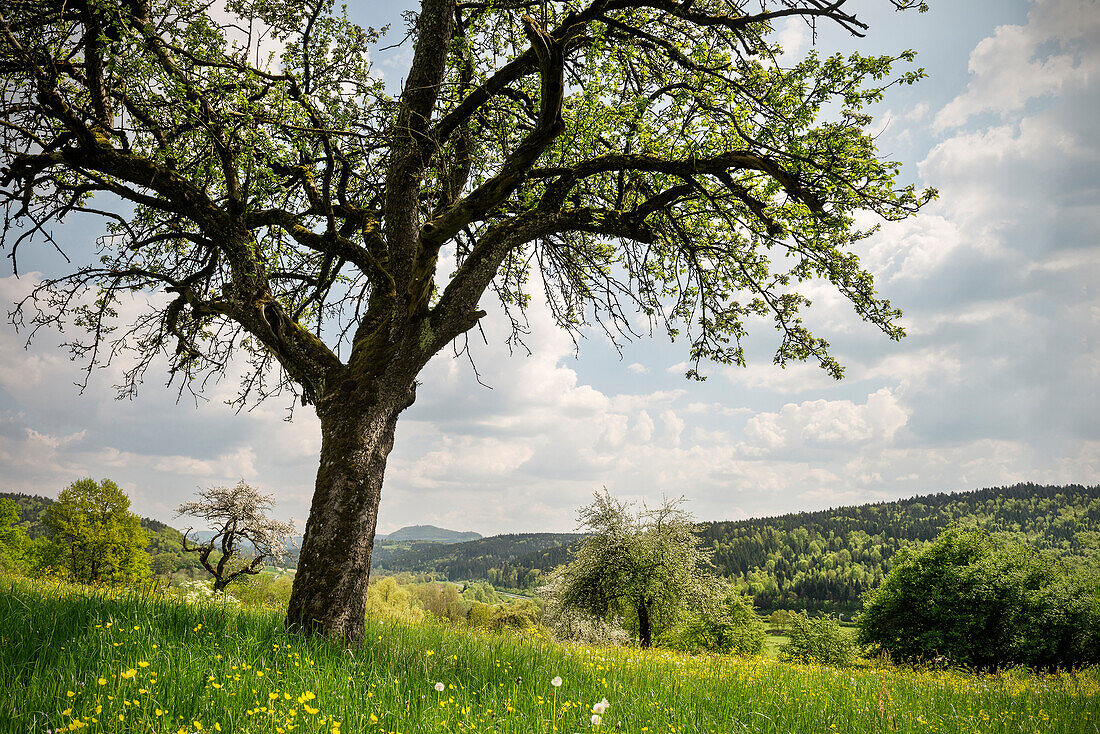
(643, 162)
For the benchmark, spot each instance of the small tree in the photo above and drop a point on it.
(14, 543)
(97, 538)
(645, 568)
(246, 538)
(730, 627)
(817, 640)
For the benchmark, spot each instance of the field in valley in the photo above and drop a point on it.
(74, 658)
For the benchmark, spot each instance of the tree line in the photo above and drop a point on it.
(816, 561)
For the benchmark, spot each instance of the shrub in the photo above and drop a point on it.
(731, 628)
(441, 599)
(202, 592)
(817, 640)
(388, 599)
(984, 602)
(266, 589)
(481, 592)
(780, 619)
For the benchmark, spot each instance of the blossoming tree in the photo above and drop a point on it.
(245, 539)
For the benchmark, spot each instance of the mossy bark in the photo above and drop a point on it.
(357, 430)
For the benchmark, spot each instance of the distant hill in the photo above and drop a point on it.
(430, 534)
(513, 561)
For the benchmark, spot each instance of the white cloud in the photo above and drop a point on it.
(912, 249)
(828, 422)
(792, 36)
(794, 378)
(240, 464)
(1016, 64)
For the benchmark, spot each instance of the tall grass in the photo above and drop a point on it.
(74, 658)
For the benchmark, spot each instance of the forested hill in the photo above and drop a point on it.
(816, 560)
(514, 561)
(826, 559)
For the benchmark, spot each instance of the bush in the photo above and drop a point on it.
(817, 640)
(441, 599)
(481, 592)
(202, 592)
(780, 619)
(388, 599)
(984, 602)
(731, 628)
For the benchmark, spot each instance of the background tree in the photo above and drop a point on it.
(817, 640)
(245, 538)
(643, 162)
(984, 602)
(14, 543)
(644, 568)
(98, 539)
(730, 626)
(388, 599)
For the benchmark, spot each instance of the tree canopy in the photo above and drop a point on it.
(245, 539)
(644, 569)
(984, 601)
(97, 538)
(646, 164)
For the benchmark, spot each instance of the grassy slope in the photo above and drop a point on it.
(70, 656)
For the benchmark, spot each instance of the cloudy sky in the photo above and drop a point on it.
(995, 384)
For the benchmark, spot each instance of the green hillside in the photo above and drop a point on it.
(513, 561)
(820, 560)
(826, 559)
(809, 560)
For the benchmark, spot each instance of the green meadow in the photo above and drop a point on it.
(76, 658)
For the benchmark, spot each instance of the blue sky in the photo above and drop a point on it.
(996, 382)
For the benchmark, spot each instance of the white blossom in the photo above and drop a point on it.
(243, 531)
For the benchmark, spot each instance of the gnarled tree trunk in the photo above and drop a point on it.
(357, 429)
(645, 631)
